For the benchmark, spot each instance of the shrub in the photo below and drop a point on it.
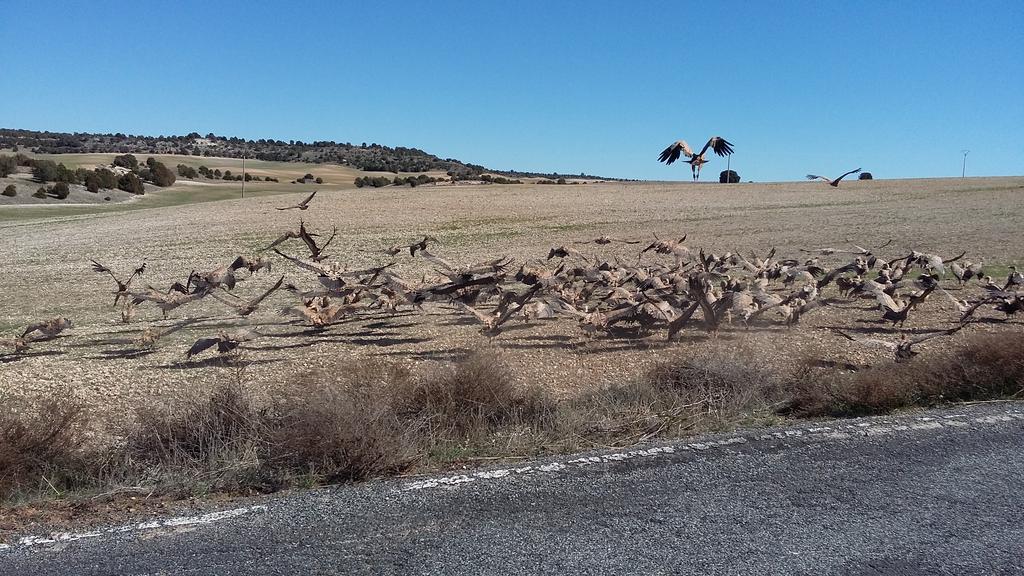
(40, 193)
(865, 176)
(160, 174)
(60, 190)
(11, 191)
(728, 177)
(985, 366)
(107, 178)
(131, 183)
(128, 161)
(187, 172)
(8, 166)
(44, 170)
(43, 446)
(319, 180)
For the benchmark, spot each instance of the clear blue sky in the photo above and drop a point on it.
(601, 87)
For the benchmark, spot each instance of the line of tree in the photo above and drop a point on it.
(368, 157)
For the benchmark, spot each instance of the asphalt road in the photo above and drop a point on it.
(927, 493)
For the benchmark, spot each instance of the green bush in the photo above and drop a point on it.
(160, 174)
(44, 170)
(130, 183)
(8, 165)
(40, 193)
(728, 177)
(11, 191)
(128, 161)
(60, 190)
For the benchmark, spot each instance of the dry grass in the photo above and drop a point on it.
(353, 422)
(44, 446)
(986, 366)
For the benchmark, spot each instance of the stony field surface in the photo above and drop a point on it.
(46, 272)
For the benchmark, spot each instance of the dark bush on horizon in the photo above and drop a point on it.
(865, 176)
(728, 177)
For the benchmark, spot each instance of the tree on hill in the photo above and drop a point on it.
(10, 191)
(865, 176)
(8, 166)
(160, 174)
(44, 170)
(128, 161)
(130, 183)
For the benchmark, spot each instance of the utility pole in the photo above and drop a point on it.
(963, 171)
(243, 173)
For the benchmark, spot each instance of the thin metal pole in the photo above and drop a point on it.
(728, 169)
(963, 171)
(243, 173)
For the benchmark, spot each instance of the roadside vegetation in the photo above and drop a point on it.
(355, 422)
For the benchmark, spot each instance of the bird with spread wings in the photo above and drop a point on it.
(679, 148)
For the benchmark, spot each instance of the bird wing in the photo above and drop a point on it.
(672, 153)
(847, 174)
(263, 296)
(430, 257)
(720, 145)
(200, 345)
(308, 199)
(816, 177)
(931, 335)
(314, 267)
(286, 236)
(867, 341)
(485, 318)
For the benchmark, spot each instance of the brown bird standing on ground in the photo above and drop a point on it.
(833, 183)
(122, 287)
(301, 205)
(680, 148)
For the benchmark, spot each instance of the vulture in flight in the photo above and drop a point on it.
(301, 205)
(720, 145)
(833, 183)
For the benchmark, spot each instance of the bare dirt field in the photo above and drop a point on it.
(46, 273)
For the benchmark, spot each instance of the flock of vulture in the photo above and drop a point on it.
(668, 287)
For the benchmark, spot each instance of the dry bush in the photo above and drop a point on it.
(474, 397)
(710, 391)
(342, 425)
(205, 443)
(986, 366)
(44, 446)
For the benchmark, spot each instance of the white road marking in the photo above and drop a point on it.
(60, 537)
(836, 432)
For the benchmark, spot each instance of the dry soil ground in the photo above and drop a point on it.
(46, 272)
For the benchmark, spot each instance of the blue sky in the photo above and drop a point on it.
(601, 87)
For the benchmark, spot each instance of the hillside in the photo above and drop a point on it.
(365, 157)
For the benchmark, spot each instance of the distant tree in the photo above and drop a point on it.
(560, 181)
(217, 174)
(44, 170)
(160, 174)
(359, 182)
(248, 177)
(10, 191)
(40, 193)
(319, 180)
(150, 162)
(187, 172)
(8, 166)
(728, 177)
(865, 176)
(108, 180)
(130, 183)
(128, 161)
(60, 190)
